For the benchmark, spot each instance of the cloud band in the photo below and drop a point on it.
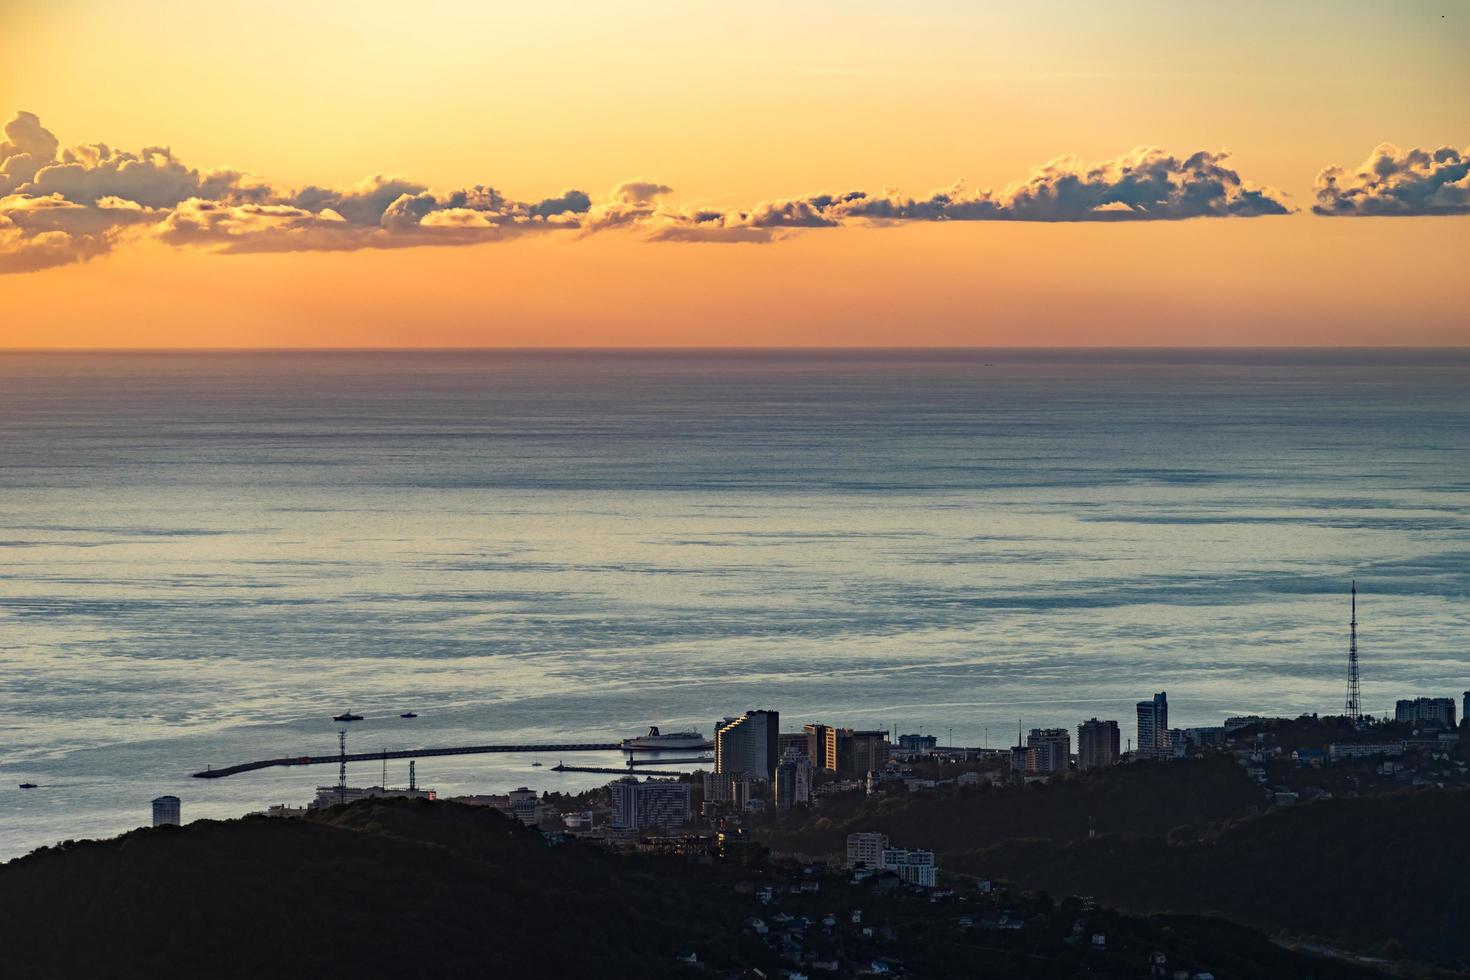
(63, 205)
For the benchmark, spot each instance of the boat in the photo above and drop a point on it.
(347, 716)
(27, 785)
(408, 714)
(656, 740)
(536, 764)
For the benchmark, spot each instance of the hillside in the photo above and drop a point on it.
(1147, 798)
(388, 887)
(1384, 875)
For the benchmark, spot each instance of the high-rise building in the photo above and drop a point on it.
(869, 751)
(912, 867)
(523, 803)
(793, 780)
(1434, 712)
(866, 849)
(788, 742)
(651, 803)
(1097, 744)
(816, 744)
(1465, 708)
(918, 743)
(166, 811)
(1049, 750)
(853, 754)
(1020, 759)
(748, 744)
(727, 787)
(1153, 726)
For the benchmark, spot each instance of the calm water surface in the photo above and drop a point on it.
(205, 556)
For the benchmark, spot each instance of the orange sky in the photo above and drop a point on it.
(730, 108)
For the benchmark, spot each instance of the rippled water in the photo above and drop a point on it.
(205, 556)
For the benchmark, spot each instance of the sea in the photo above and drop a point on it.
(205, 556)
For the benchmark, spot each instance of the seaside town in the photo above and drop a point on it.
(833, 913)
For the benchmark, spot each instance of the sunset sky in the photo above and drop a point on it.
(702, 138)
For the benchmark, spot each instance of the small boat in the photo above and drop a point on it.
(408, 714)
(27, 785)
(536, 764)
(347, 716)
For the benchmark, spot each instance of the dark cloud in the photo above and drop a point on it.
(1398, 182)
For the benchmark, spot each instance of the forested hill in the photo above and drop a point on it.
(388, 887)
(1147, 798)
(411, 887)
(1388, 875)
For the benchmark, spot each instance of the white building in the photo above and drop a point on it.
(866, 849)
(912, 867)
(1426, 711)
(651, 803)
(166, 811)
(523, 803)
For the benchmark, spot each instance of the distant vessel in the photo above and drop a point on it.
(347, 716)
(673, 740)
(27, 785)
(408, 714)
(536, 764)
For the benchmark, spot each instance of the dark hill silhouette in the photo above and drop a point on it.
(1384, 874)
(387, 887)
(410, 887)
(1146, 798)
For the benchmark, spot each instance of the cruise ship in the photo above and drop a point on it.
(656, 740)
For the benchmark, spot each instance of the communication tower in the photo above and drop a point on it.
(342, 766)
(1354, 696)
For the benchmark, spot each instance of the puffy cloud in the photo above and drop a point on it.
(41, 231)
(1398, 182)
(1144, 185)
(639, 193)
(69, 204)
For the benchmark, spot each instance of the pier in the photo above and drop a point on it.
(328, 760)
(630, 771)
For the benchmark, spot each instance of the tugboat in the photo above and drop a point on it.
(27, 785)
(347, 716)
(408, 714)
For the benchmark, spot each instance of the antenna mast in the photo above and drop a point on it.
(342, 766)
(1354, 696)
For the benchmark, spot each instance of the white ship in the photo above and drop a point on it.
(656, 740)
